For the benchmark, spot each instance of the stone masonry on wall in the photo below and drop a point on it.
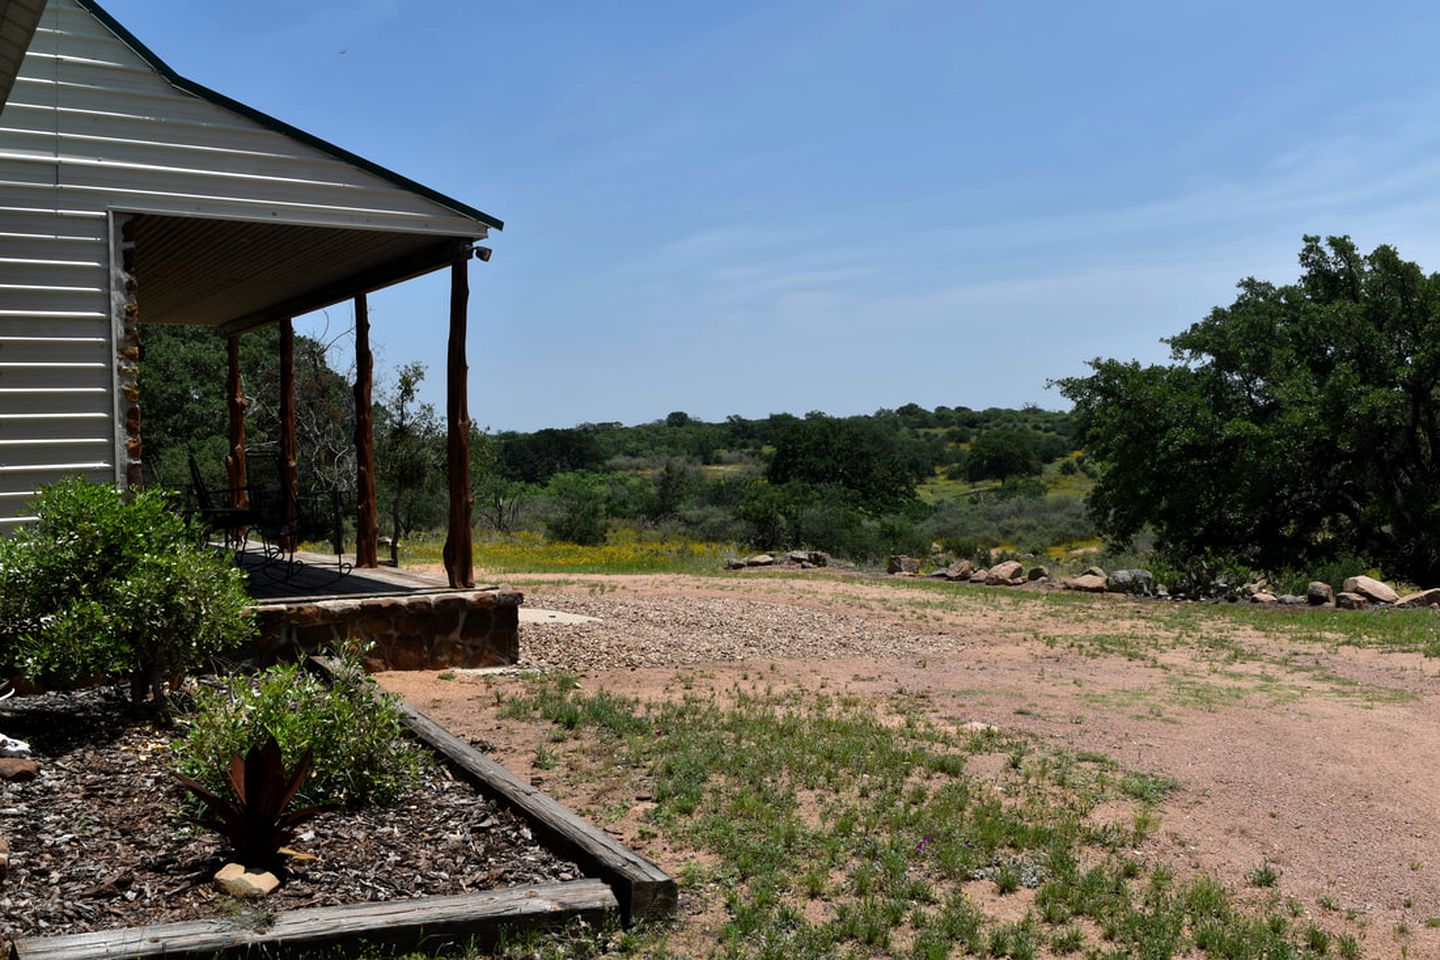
(125, 321)
(426, 631)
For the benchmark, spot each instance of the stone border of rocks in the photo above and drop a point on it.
(1356, 593)
(794, 560)
(628, 884)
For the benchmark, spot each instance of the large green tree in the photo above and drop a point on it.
(856, 456)
(1296, 424)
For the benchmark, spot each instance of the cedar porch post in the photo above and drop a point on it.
(235, 467)
(366, 523)
(289, 475)
(459, 551)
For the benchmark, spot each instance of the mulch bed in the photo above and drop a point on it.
(98, 842)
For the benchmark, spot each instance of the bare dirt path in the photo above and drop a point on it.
(1318, 759)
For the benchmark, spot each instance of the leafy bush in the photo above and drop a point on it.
(1021, 488)
(114, 584)
(577, 504)
(1001, 454)
(359, 752)
(989, 520)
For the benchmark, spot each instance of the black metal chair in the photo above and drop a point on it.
(214, 509)
(278, 525)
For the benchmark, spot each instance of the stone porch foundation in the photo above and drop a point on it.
(422, 631)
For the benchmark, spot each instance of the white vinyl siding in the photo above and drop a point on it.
(90, 129)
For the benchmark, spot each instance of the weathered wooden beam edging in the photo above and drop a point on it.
(424, 923)
(643, 889)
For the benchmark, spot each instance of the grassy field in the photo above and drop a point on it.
(832, 826)
(809, 823)
(624, 552)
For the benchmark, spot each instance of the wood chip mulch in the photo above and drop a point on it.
(97, 840)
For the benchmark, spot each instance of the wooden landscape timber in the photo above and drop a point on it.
(641, 887)
(424, 923)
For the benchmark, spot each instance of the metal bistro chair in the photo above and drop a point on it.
(279, 537)
(214, 510)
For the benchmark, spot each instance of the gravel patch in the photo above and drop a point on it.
(674, 631)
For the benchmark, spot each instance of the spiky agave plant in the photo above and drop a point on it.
(256, 822)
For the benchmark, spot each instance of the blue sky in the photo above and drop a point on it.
(756, 207)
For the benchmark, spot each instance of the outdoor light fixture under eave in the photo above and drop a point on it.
(483, 254)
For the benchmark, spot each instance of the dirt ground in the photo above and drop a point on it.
(1316, 758)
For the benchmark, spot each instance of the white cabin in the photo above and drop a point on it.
(130, 194)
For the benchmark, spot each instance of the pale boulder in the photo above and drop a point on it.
(1371, 589)
(1086, 582)
(1005, 571)
(1424, 598)
(959, 570)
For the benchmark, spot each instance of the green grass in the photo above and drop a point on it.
(838, 826)
(624, 552)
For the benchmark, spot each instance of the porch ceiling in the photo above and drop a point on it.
(238, 275)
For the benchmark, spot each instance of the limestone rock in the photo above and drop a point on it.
(1371, 589)
(1318, 593)
(979, 575)
(1346, 600)
(959, 570)
(902, 564)
(1037, 573)
(1086, 582)
(1005, 571)
(760, 560)
(734, 563)
(1094, 572)
(18, 769)
(245, 884)
(4, 858)
(1291, 600)
(1422, 599)
(1263, 596)
(1138, 582)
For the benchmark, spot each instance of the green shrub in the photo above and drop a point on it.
(360, 753)
(113, 584)
(1021, 488)
(578, 503)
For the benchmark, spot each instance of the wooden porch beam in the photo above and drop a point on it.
(235, 466)
(459, 551)
(366, 515)
(423, 261)
(289, 472)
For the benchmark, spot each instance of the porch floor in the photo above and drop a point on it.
(318, 578)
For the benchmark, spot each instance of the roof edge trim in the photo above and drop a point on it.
(280, 126)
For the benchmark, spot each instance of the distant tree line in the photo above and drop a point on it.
(844, 484)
